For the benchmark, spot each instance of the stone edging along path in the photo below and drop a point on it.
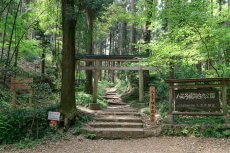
(119, 121)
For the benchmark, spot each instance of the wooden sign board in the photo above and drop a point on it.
(54, 116)
(197, 100)
(21, 85)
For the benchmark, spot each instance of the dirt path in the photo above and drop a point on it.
(148, 145)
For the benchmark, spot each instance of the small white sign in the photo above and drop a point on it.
(55, 116)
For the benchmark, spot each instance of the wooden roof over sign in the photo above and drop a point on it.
(197, 80)
(94, 57)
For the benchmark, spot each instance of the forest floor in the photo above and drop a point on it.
(148, 145)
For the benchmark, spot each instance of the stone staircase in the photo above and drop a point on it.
(119, 120)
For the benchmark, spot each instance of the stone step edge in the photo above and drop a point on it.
(116, 124)
(118, 113)
(146, 133)
(118, 120)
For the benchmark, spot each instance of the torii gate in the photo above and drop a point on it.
(95, 59)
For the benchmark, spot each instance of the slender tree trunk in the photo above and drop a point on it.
(110, 41)
(89, 73)
(68, 105)
(220, 5)
(122, 38)
(12, 33)
(4, 33)
(147, 35)
(133, 28)
(43, 62)
(228, 5)
(7, 5)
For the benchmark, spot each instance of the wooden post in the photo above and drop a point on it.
(152, 105)
(171, 97)
(224, 98)
(96, 72)
(15, 84)
(141, 86)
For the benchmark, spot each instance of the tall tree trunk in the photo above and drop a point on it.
(43, 62)
(68, 105)
(147, 37)
(133, 28)
(220, 5)
(228, 5)
(4, 33)
(12, 33)
(122, 38)
(89, 73)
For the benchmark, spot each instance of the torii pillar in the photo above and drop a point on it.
(141, 103)
(94, 105)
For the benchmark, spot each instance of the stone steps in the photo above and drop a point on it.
(116, 125)
(116, 103)
(115, 133)
(119, 110)
(119, 119)
(118, 113)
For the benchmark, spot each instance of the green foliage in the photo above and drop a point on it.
(102, 102)
(21, 123)
(198, 127)
(144, 111)
(95, 5)
(83, 99)
(26, 143)
(163, 108)
(102, 85)
(30, 50)
(199, 120)
(80, 120)
(5, 96)
(120, 87)
(91, 136)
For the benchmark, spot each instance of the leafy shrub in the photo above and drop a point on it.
(198, 127)
(30, 50)
(91, 136)
(102, 102)
(102, 85)
(121, 87)
(163, 108)
(5, 95)
(145, 111)
(17, 124)
(80, 120)
(83, 99)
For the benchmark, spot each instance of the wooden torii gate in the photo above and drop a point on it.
(96, 67)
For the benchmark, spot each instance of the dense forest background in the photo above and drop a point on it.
(182, 39)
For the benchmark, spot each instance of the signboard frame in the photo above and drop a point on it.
(198, 84)
(197, 100)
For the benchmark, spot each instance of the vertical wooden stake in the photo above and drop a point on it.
(152, 105)
(95, 86)
(141, 86)
(171, 97)
(224, 98)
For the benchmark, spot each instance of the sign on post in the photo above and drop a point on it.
(54, 118)
(201, 96)
(196, 99)
(152, 105)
